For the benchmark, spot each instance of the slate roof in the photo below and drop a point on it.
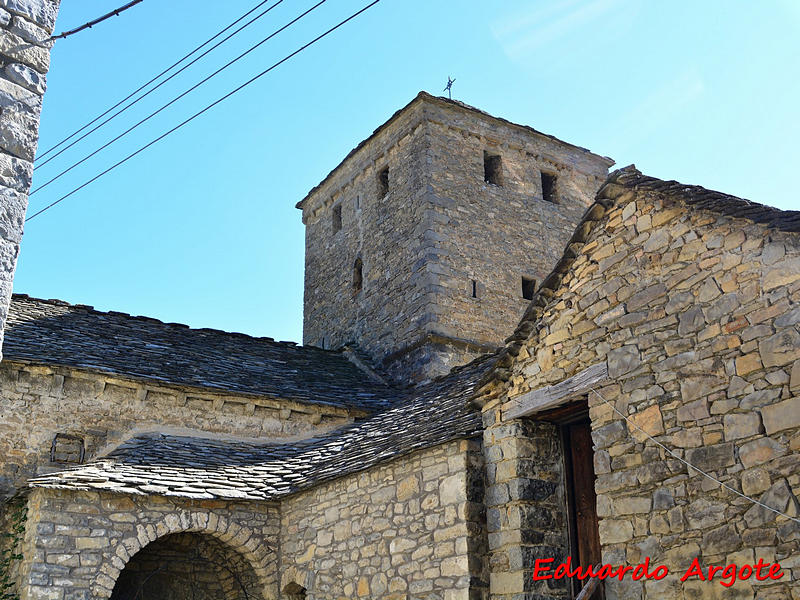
(201, 468)
(445, 101)
(699, 197)
(694, 196)
(52, 332)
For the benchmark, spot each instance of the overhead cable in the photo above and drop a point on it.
(178, 97)
(156, 78)
(207, 108)
(90, 24)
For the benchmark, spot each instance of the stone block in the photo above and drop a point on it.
(700, 385)
(740, 425)
(623, 360)
(41, 12)
(646, 297)
(781, 416)
(780, 349)
(615, 531)
(693, 411)
(755, 482)
(648, 422)
(711, 458)
(760, 451)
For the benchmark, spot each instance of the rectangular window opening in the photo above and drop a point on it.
(549, 187)
(336, 217)
(383, 182)
(492, 168)
(528, 287)
(474, 289)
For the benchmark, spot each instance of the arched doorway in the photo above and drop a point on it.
(187, 566)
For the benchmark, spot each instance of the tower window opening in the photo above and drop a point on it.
(383, 182)
(492, 168)
(336, 218)
(358, 275)
(528, 287)
(474, 289)
(549, 187)
(358, 202)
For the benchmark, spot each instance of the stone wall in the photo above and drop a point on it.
(78, 543)
(411, 528)
(94, 412)
(698, 317)
(439, 228)
(25, 26)
(525, 506)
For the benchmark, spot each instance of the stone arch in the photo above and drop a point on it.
(241, 540)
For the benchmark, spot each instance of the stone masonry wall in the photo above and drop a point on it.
(495, 234)
(698, 317)
(384, 232)
(96, 412)
(77, 543)
(411, 528)
(525, 506)
(25, 26)
(439, 228)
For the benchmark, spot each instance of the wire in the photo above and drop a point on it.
(162, 73)
(207, 108)
(113, 13)
(174, 100)
(688, 464)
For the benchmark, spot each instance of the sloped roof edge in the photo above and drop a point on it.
(441, 100)
(620, 181)
(56, 333)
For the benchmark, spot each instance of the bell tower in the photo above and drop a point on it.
(425, 244)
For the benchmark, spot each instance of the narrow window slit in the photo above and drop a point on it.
(528, 287)
(383, 182)
(358, 275)
(549, 187)
(492, 168)
(336, 217)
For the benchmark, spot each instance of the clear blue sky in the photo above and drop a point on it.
(202, 229)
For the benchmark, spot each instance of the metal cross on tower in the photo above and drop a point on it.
(449, 86)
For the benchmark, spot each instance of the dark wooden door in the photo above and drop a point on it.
(583, 499)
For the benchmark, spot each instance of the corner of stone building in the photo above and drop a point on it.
(25, 29)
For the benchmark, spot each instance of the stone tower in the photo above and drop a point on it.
(425, 244)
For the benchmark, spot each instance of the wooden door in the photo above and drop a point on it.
(583, 499)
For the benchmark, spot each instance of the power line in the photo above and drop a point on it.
(174, 100)
(162, 73)
(207, 108)
(90, 24)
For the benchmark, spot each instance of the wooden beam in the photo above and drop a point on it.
(590, 586)
(555, 395)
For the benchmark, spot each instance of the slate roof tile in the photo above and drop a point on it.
(52, 332)
(209, 468)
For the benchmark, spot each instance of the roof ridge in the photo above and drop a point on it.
(91, 309)
(425, 96)
(620, 181)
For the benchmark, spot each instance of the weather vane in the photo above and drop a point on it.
(448, 87)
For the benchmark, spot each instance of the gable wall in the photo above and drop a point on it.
(39, 402)
(698, 316)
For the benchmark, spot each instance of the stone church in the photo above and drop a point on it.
(511, 359)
